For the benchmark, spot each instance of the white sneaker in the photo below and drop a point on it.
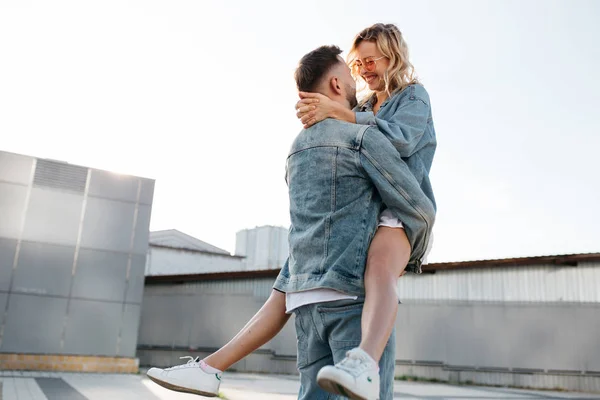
(356, 376)
(188, 378)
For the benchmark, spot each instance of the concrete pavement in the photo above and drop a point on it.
(16, 385)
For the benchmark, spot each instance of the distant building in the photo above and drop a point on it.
(265, 247)
(172, 252)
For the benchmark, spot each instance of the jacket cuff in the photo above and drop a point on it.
(281, 283)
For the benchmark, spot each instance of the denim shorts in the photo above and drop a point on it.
(325, 332)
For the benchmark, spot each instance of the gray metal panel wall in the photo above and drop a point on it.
(8, 248)
(502, 335)
(12, 207)
(194, 321)
(15, 168)
(73, 243)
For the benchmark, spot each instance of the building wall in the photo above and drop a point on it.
(264, 247)
(536, 325)
(178, 261)
(73, 245)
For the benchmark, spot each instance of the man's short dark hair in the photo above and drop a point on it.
(314, 65)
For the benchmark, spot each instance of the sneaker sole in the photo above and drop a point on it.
(180, 388)
(332, 386)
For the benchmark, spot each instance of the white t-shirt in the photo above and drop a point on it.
(299, 299)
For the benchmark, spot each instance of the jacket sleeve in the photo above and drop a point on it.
(399, 190)
(283, 277)
(405, 128)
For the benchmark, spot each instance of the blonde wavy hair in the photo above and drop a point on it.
(388, 38)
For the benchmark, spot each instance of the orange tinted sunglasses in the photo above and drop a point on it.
(368, 63)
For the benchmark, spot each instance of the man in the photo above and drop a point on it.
(339, 175)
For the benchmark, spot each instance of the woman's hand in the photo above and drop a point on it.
(315, 107)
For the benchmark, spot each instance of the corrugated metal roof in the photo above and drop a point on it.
(177, 239)
(163, 246)
(564, 259)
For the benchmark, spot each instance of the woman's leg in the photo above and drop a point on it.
(388, 255)
(263, 326)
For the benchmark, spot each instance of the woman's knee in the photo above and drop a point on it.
(388, 254)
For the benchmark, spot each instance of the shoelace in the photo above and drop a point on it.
(191, 360)
(353, 363)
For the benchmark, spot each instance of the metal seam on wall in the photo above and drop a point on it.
(57, 296)
(14, 183)
(129, 257)
(66, 245)
(75, 257)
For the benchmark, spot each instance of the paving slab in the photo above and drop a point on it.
(235, 386)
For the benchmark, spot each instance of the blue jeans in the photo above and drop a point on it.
(325, 332)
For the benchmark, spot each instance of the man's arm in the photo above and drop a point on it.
(399, 189)
(405, 128)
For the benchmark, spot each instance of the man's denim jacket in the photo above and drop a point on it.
(339, 176)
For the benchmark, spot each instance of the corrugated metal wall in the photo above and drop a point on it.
(579, 284)
(256, 287)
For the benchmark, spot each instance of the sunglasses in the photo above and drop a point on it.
(368, 63)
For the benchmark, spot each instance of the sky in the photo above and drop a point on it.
(199, 95)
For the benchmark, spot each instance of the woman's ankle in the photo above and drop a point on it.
(212, 362)
(371, 351)
(206, 367)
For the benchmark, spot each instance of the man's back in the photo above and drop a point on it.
(337, 174)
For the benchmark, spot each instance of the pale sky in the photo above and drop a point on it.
(200, 96)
